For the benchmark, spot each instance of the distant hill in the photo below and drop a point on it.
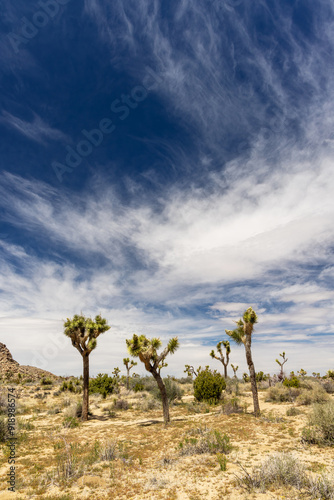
(9, 368)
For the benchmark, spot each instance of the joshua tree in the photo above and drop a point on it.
(243, 335)
(281, 364)
(128, 367)
(83, 333)
(302, 373)
(221, 356)
(190, 371)
(235, 369)
(146, 350)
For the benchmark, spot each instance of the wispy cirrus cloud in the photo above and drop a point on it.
(36, 130)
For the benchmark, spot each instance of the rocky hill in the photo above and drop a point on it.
(9, 368)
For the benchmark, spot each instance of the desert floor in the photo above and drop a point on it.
(53, 461)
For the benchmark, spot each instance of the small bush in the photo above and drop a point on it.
(46, 381)
(231, 406)
(103, 384)
(321, 487)
(279, 469)
(316, 394)
(291, 382)
(281, 394)
(328, 385)
(108, 450)
(70, 422)
(320, 429)
(205, 441)
(121, 404)
(138, 387)
(291, 412)
(208, 386)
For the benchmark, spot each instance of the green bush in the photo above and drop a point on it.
(139, 387)
(320, 429)
(291, 382)
(46, 381)
(103, 384)
(208, 386)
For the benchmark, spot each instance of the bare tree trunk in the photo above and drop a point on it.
(165, 404)
(128, 379)
(84, 416)
(252, 376)
(225, 370)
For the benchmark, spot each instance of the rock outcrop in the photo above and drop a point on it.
(9, 368)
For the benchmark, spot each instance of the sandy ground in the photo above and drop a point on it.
(149, 464)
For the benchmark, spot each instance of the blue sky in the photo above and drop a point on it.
(167, 164)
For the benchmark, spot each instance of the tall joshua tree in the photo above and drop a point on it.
(83, 333)
(243, 335)
(128, 365)
(146, 350)
(221, 356)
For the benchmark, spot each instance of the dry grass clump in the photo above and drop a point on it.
(320, 428)
(284, 469)
(293, 411)
(205, 441)
(231, 405)
(281, 394)
(121, 404)
(314, 393)
(279, 469)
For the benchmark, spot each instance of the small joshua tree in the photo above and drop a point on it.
(281, 364)
(221, 356)
(235, 369)
(146, 349)
(128, 365)
(302, 373)
(83, 333)
(190, 371)
(243, 335)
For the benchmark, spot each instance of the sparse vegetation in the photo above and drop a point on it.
(320, 428)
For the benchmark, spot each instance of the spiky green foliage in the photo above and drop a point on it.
(223, 358)
(190, 370)
(239, 333)
(83, 331)
(146, 349)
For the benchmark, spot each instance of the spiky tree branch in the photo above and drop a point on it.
(221, 356)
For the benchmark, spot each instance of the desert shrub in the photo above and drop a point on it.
(184, 380)
(205, 441)
(149, 404)
(74, 410)
(330, 374)
(281, 394)
(316, 394)
(121, 404)
(291, 382)
(231, 406)
(279, 469)
(70, 422)
(291, 412)
(46, 381)
(138, 387)
(320, 428)
(172, 388)
(103, 384)
(321, 487)
(208, 386)
(143, 384)
(328, 385)
(56, 393)
(108, 451)
(245, 377)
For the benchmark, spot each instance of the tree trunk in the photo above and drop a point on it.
(165, 404)
(128, 380)
(225, 370)
(252, 375)
(84, 416)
